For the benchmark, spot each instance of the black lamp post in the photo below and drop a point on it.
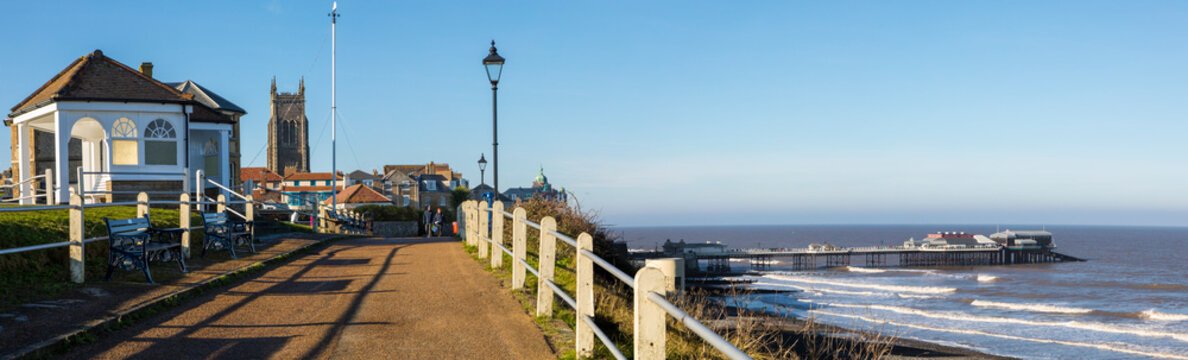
(494, 64)
(482, 169)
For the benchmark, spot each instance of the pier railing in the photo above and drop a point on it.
(484, 227)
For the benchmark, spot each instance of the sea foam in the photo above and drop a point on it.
(986, 278)
(1158, 316)
(1030, 307)
(864, 270)
(891, 288)
(993, 319)
(1099, 346)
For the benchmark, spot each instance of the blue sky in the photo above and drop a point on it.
(712, 112)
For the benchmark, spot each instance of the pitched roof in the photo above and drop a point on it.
(258, 174)
(310, 176)
(403, 169)
(207, 97)
(307, 188)
(362, 175)
(97, 77)
(359, 194)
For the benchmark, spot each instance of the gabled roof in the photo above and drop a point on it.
(362, 175)
(359, 194)
(403, 169)
(207, 97)
(99, 78)
(258, 174)
(397, 175)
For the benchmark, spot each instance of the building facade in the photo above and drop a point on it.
(288, 132)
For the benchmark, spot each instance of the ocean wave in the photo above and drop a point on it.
(1158, 316)
(818, 291)
(1031, 307)
(1099, 346)
(969, 317)
(915, 296)
(986, 278)
(864, 270)
(891, 288)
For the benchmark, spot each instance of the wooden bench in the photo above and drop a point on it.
(223, 233)
(134, 243)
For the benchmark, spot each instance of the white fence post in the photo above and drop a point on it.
(222, 204)
(484, 231)
(142, 204)
(548, 261)
(50, 193)
(199, 186)
(649, 317)
(77, 256)
(249, 210)
(321, 221)
(519, 246)
(585, 296)
(183, 221)
(497, 235)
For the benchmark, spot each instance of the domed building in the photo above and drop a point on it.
(540, 188)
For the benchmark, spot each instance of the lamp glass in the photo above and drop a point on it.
(494, 69)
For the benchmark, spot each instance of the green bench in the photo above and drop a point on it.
(222, 233)
(133, 243)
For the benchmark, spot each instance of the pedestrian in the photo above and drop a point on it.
(427, 220)
(437, 222)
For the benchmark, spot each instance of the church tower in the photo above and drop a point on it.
(288, 132)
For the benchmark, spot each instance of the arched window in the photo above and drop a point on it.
(124, 148)
(162, 149)
(210, 153)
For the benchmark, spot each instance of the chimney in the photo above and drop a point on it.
(146, 68)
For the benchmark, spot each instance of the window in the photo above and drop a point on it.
(162, 150)
(443, 200)
(430, 185)
(124, 148)
(407, 199)
(210, 152)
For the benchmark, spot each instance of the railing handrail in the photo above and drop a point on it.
(705, 333)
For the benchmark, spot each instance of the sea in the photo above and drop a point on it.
(1129, 300)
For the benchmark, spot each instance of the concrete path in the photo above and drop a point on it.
(355, 299)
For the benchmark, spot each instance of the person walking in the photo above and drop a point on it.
(437, 222)
(427, 220)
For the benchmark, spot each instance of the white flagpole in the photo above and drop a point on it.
(333, 111)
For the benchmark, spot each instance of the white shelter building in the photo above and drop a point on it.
(129, 131)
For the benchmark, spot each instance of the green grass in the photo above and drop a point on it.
(44, 273)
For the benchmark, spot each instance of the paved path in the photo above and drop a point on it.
(355, 299)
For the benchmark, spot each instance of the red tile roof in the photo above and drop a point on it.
(258, 174)
(359, 194)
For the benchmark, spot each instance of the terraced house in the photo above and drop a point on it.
(126, 130)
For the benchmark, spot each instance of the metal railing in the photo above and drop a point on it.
(47, 194)
(484, 227)
(77, 212)
(323, 216)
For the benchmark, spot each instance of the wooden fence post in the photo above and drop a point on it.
(497, 235)
(183, 221)
(585, 296)
(142, 204)
(77, 257)
(50, 193)
(519, 246)
(484, 231)
(548, 261)
(321, 211)
(222, 203)
(649, 317)
(249, 210)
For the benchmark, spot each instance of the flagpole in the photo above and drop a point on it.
(333, 111)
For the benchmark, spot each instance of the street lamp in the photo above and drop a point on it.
(482, 169)
(494, 64)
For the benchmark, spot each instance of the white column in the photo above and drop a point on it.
(23, 157)
(62, 158)
(225, 158)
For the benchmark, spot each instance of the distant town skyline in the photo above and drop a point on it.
(687, 113)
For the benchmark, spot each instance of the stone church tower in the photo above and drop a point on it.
(288, 132)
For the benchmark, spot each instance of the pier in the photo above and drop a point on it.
(811, 258)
